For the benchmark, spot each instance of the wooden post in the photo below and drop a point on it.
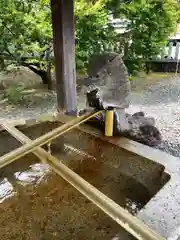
(64, 53)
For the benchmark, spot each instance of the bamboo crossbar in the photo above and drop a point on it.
(130, 223)
(27, 148)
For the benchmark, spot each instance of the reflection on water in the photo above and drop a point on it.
(33, 175)
(6, 189)
(38, 204)
(70, 152)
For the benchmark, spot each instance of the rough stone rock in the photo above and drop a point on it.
(108, 73)
(139, 118)
(142, 131)
(140, 128)
(109, 86)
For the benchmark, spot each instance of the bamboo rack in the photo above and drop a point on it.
(130, 223)
(48, 137)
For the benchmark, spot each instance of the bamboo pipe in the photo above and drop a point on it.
(27, 148)
(109, 122)
(130, 223)
(24, 139)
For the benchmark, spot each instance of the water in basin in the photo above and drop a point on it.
(36, 203)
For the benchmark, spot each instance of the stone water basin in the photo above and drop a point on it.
(36, 203)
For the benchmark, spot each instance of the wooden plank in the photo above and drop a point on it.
(130, 223)
(22, 151)
(64, 53)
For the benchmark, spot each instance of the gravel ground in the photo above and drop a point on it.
(159, 99)
(15, 112)
(47, 105)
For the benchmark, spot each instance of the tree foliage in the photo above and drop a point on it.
(151, 22)
(24, 27)
(178, 10)
(93, 31)
(26, 33)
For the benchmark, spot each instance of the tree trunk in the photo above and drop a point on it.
(126, 49)
(49, 65)
(2, 64)
(45, 75)
(147, 67)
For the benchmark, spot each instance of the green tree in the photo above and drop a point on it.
(93, 31)
(25, 34)
(178, 10)
(151, 22)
